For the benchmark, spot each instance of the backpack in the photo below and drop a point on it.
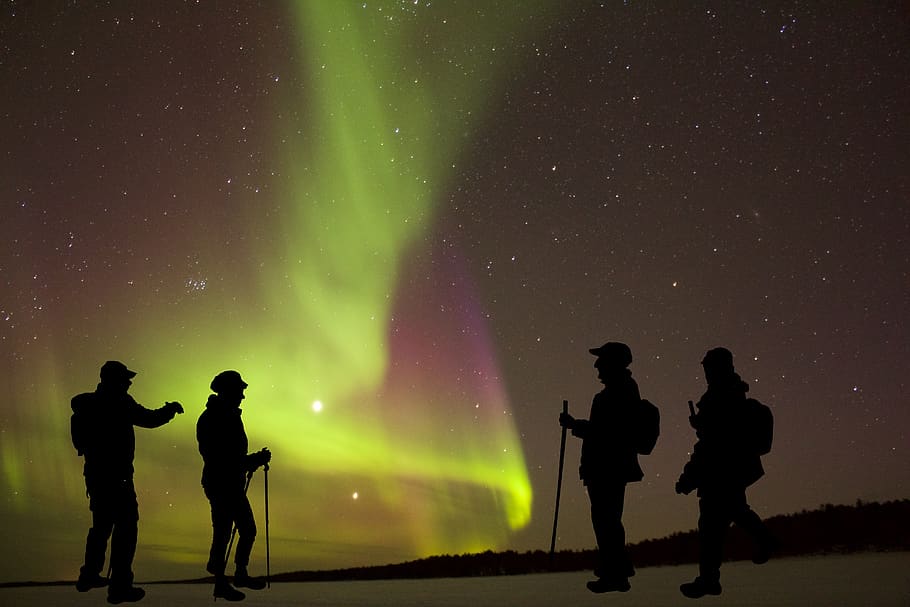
(759, 427)
(647, 427)
(81, 423)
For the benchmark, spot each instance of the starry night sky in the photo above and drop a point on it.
(421, 215)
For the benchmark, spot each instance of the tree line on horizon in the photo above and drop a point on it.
(829, 529)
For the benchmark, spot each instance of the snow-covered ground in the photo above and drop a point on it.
(880, 580)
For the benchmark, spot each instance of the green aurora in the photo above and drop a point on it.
(373, 462)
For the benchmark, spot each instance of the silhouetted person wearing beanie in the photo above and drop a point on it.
(223, 445)
(102, 432)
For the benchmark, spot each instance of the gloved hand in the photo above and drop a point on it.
(684, 485)
(261, 458)
(175, 407)
(566, 421)
(693, 416)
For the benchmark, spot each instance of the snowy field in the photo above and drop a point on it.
(879, 580)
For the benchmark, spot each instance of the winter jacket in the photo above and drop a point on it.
(608, 452)
(721, 459)
(223, 446)
(102, 432)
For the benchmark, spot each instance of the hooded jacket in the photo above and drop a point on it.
(721, 458)
(223, 445)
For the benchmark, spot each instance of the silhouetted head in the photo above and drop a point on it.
(229, 386)
(612, 357)
(718, 362)
(114, 374)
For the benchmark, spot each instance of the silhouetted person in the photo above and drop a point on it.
(223, 445)
(725, 460)
(609, 460)
(102, 432)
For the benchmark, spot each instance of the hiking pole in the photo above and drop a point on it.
(268, 580)
(227, 556)
(562, 457)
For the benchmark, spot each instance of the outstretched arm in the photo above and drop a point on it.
(153, 418)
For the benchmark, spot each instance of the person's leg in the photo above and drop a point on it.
(614, 566)
(763, 542)
(246, 533)
(126, 529)
(123, 545)
(96, 541)
(713, 522)
(222, 507)
(222, 524)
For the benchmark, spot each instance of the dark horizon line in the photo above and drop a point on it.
(305, 575)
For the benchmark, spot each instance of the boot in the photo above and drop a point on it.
(764, 548)
(88, 581)
(224, 590)
(699, 587)
(124, 594)
(243, 580)
(608, 584)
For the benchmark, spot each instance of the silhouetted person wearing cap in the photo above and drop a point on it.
(609, 460)
(223, 445)
(102, 432)
(724, 462)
